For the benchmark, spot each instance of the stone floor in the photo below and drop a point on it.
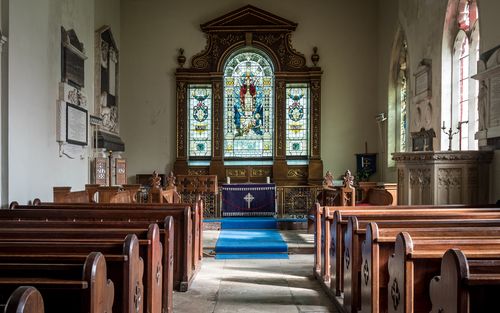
(241, 286)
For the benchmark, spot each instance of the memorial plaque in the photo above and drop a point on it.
(73, 58)
(76, 125)
(423, 81)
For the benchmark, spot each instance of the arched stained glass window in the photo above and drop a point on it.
(465, 89)
(248, 105)
(403, 97)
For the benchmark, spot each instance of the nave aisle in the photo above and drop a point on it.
(252, 286)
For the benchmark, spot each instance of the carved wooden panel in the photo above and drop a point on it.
(316, 117)
(272, 35)
(100, 171)
(181, 120)
(120, 172)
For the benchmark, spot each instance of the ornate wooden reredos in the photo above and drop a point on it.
(250, 28)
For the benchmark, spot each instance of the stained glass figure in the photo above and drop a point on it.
(200, 120)
(297, 120)
(403, 97)
(248, 110)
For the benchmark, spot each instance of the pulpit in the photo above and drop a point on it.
(443, 177)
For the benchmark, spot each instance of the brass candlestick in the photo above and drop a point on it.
(452, 133)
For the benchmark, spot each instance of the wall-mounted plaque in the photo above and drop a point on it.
(106, 84)
(76, 125)
(423, 81)
(73, 57)
(120, 172)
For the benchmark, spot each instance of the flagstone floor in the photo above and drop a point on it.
(248, 286)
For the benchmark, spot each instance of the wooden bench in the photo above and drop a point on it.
(416, 261)
(118, 214)
(466, 285)
(329, 261)
(106, 194)
(379, 245)
(145, 231)
(150, 250)
(77, 286)
(24, 299)
(125, 267)
(196, 218)
(349, 258)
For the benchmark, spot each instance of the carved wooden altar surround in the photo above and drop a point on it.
(250, 26)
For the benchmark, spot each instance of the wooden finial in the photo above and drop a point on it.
(155, 181)
(348, 179)
(181, 59)
(315, 56)
(171, 179)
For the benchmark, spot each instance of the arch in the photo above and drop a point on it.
(239, 46)
(459, 63)
(248, 104)
(399, 56)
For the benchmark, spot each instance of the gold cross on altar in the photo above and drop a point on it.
(249, 198)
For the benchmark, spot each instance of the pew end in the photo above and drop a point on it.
(25, 299)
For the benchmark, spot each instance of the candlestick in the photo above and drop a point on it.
(228, 180)
(451, 133)
(268, 179)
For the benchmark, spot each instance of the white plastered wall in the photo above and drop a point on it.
(34, 72)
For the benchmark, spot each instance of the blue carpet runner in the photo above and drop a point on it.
(250, 238)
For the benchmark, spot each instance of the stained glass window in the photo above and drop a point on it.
(465, 89)
(248, 109)
(403, 97)
(200, 120)
(297, 120)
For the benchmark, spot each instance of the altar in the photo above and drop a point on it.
(248, 200)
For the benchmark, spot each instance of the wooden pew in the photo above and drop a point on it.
(466, 285)
(106, 194)
(65, 195)
(147, 232)
(24, 299)
(335, 220)
(416, 261)
(83, 287)
(379, 245)
(150, 250)
(348, 260)
(196, 219)
(119, 213)
(125, 267)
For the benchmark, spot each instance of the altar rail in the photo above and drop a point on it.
(292, 201)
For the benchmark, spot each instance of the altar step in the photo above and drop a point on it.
(249, 223)
(250, 238)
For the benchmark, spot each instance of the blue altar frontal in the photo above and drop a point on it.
(248, 199)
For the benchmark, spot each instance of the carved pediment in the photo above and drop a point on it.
(249, 18)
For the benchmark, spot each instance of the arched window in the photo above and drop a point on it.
(463, 116)
(248, 105)
(398, 112)
(402, 97)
